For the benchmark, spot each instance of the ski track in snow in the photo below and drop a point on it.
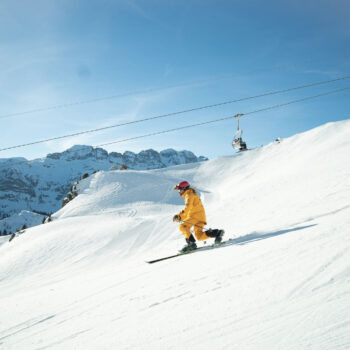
(316, 275)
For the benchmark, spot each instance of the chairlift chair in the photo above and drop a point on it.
(238, 143)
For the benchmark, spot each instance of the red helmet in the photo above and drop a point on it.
(183, 185)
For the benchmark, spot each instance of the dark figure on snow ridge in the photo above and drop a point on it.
(193, 215)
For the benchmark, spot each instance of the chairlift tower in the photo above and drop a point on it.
(238, 143)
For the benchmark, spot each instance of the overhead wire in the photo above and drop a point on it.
(176, 113)
(198, 124)
(115, 96)
(225, 118)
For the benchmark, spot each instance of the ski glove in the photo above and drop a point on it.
(176, 218)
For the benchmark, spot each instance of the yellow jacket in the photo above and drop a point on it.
(193, 207)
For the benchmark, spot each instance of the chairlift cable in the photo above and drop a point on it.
(225, 118)
(198, 124)
(171, 114)
(98, 99)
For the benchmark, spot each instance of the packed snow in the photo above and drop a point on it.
(281, 282)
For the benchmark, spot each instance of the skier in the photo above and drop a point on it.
(193, 215)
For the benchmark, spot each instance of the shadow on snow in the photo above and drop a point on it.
(253, 237)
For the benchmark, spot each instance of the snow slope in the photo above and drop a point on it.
(283, 281)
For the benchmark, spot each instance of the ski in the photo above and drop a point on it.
(212, 246)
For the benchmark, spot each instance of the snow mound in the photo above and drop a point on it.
(25, 217)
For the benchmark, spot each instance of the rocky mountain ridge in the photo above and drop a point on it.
(39, 186)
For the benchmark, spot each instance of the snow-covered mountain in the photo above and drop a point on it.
(38, 187)
(282, 282)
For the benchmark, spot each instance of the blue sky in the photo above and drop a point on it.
(158, 57)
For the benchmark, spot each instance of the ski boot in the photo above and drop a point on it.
(215, 233)
(218, 238)
(191, 245)
(188, 247)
